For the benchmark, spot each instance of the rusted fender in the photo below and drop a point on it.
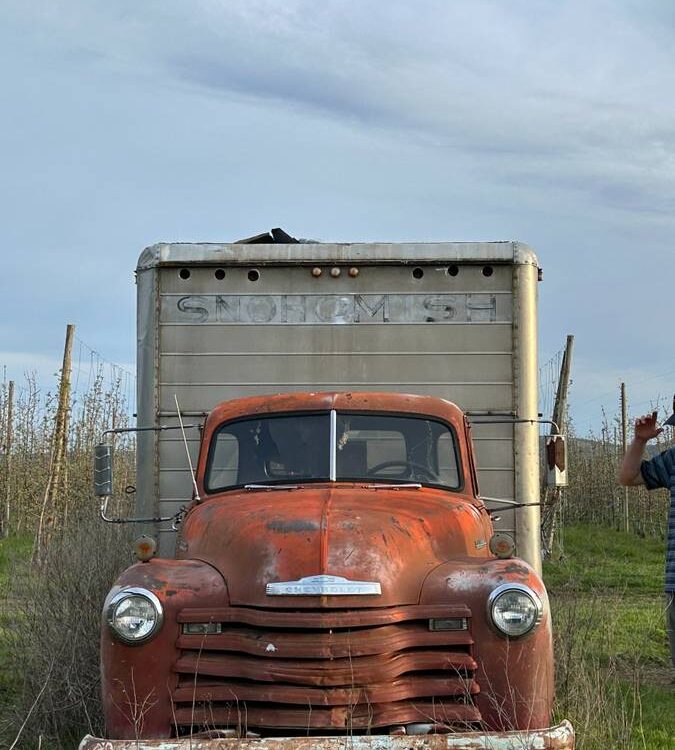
(560, 737)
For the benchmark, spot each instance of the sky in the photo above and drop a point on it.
(552, 123)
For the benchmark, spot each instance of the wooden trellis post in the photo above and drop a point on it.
(624, 445)
(551, 502)
(55, 481)
(9, 436)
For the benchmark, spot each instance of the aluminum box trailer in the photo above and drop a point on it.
(456, 320)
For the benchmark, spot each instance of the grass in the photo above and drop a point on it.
(595, 558)
(11, 550)
(658, 719)
(613, 663)
(628, 629)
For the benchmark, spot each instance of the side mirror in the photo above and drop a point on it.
(555, 456)
(103, 474)
(103, 478)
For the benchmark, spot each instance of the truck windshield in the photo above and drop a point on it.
(367, 447)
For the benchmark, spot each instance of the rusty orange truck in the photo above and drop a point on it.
(329, 570)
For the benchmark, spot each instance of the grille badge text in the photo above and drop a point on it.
(323, 585)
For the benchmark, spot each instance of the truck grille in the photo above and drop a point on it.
(280, 672)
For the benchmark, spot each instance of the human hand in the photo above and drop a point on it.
(645, 427)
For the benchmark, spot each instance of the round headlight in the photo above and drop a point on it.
(514, 610)
(135, 615)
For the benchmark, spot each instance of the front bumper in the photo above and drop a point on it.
(560, 737)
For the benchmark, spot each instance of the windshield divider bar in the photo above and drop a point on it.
(333, 446)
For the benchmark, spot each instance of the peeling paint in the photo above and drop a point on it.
(395, 522)
(560, 737)
(284, 526)
(515, 568)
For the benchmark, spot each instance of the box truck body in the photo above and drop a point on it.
(453, 320)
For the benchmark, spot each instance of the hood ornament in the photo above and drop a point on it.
(323, 585)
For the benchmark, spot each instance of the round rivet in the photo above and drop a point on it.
(316, 272)
(335, 272)
(353, 272)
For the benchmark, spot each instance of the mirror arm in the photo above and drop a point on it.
(103, 470)
(158, 519)
(509, 420)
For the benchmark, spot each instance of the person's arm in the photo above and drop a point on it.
(629, 473)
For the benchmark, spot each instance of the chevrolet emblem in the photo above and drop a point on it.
(323, 585)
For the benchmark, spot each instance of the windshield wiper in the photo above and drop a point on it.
(271, 486)
(406, 485)
(378, 486)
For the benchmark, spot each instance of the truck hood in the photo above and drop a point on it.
(394, 537)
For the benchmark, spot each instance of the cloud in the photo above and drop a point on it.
(595, 391)
(542, 121)
(571, 96)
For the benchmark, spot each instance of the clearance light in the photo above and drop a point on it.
(145, 548)
(502, 545)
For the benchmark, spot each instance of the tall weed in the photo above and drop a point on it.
(52, 640)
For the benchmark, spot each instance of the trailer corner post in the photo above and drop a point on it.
(147, 394)
(526, 435)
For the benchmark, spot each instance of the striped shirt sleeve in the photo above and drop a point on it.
(657, 471)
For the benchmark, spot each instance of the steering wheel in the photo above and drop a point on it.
(415, 470)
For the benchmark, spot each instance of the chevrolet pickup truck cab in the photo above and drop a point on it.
(334, 575)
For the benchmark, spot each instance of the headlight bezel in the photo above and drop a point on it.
(497, 593)
(126, 593)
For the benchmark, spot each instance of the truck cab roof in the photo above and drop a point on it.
(334, 437)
